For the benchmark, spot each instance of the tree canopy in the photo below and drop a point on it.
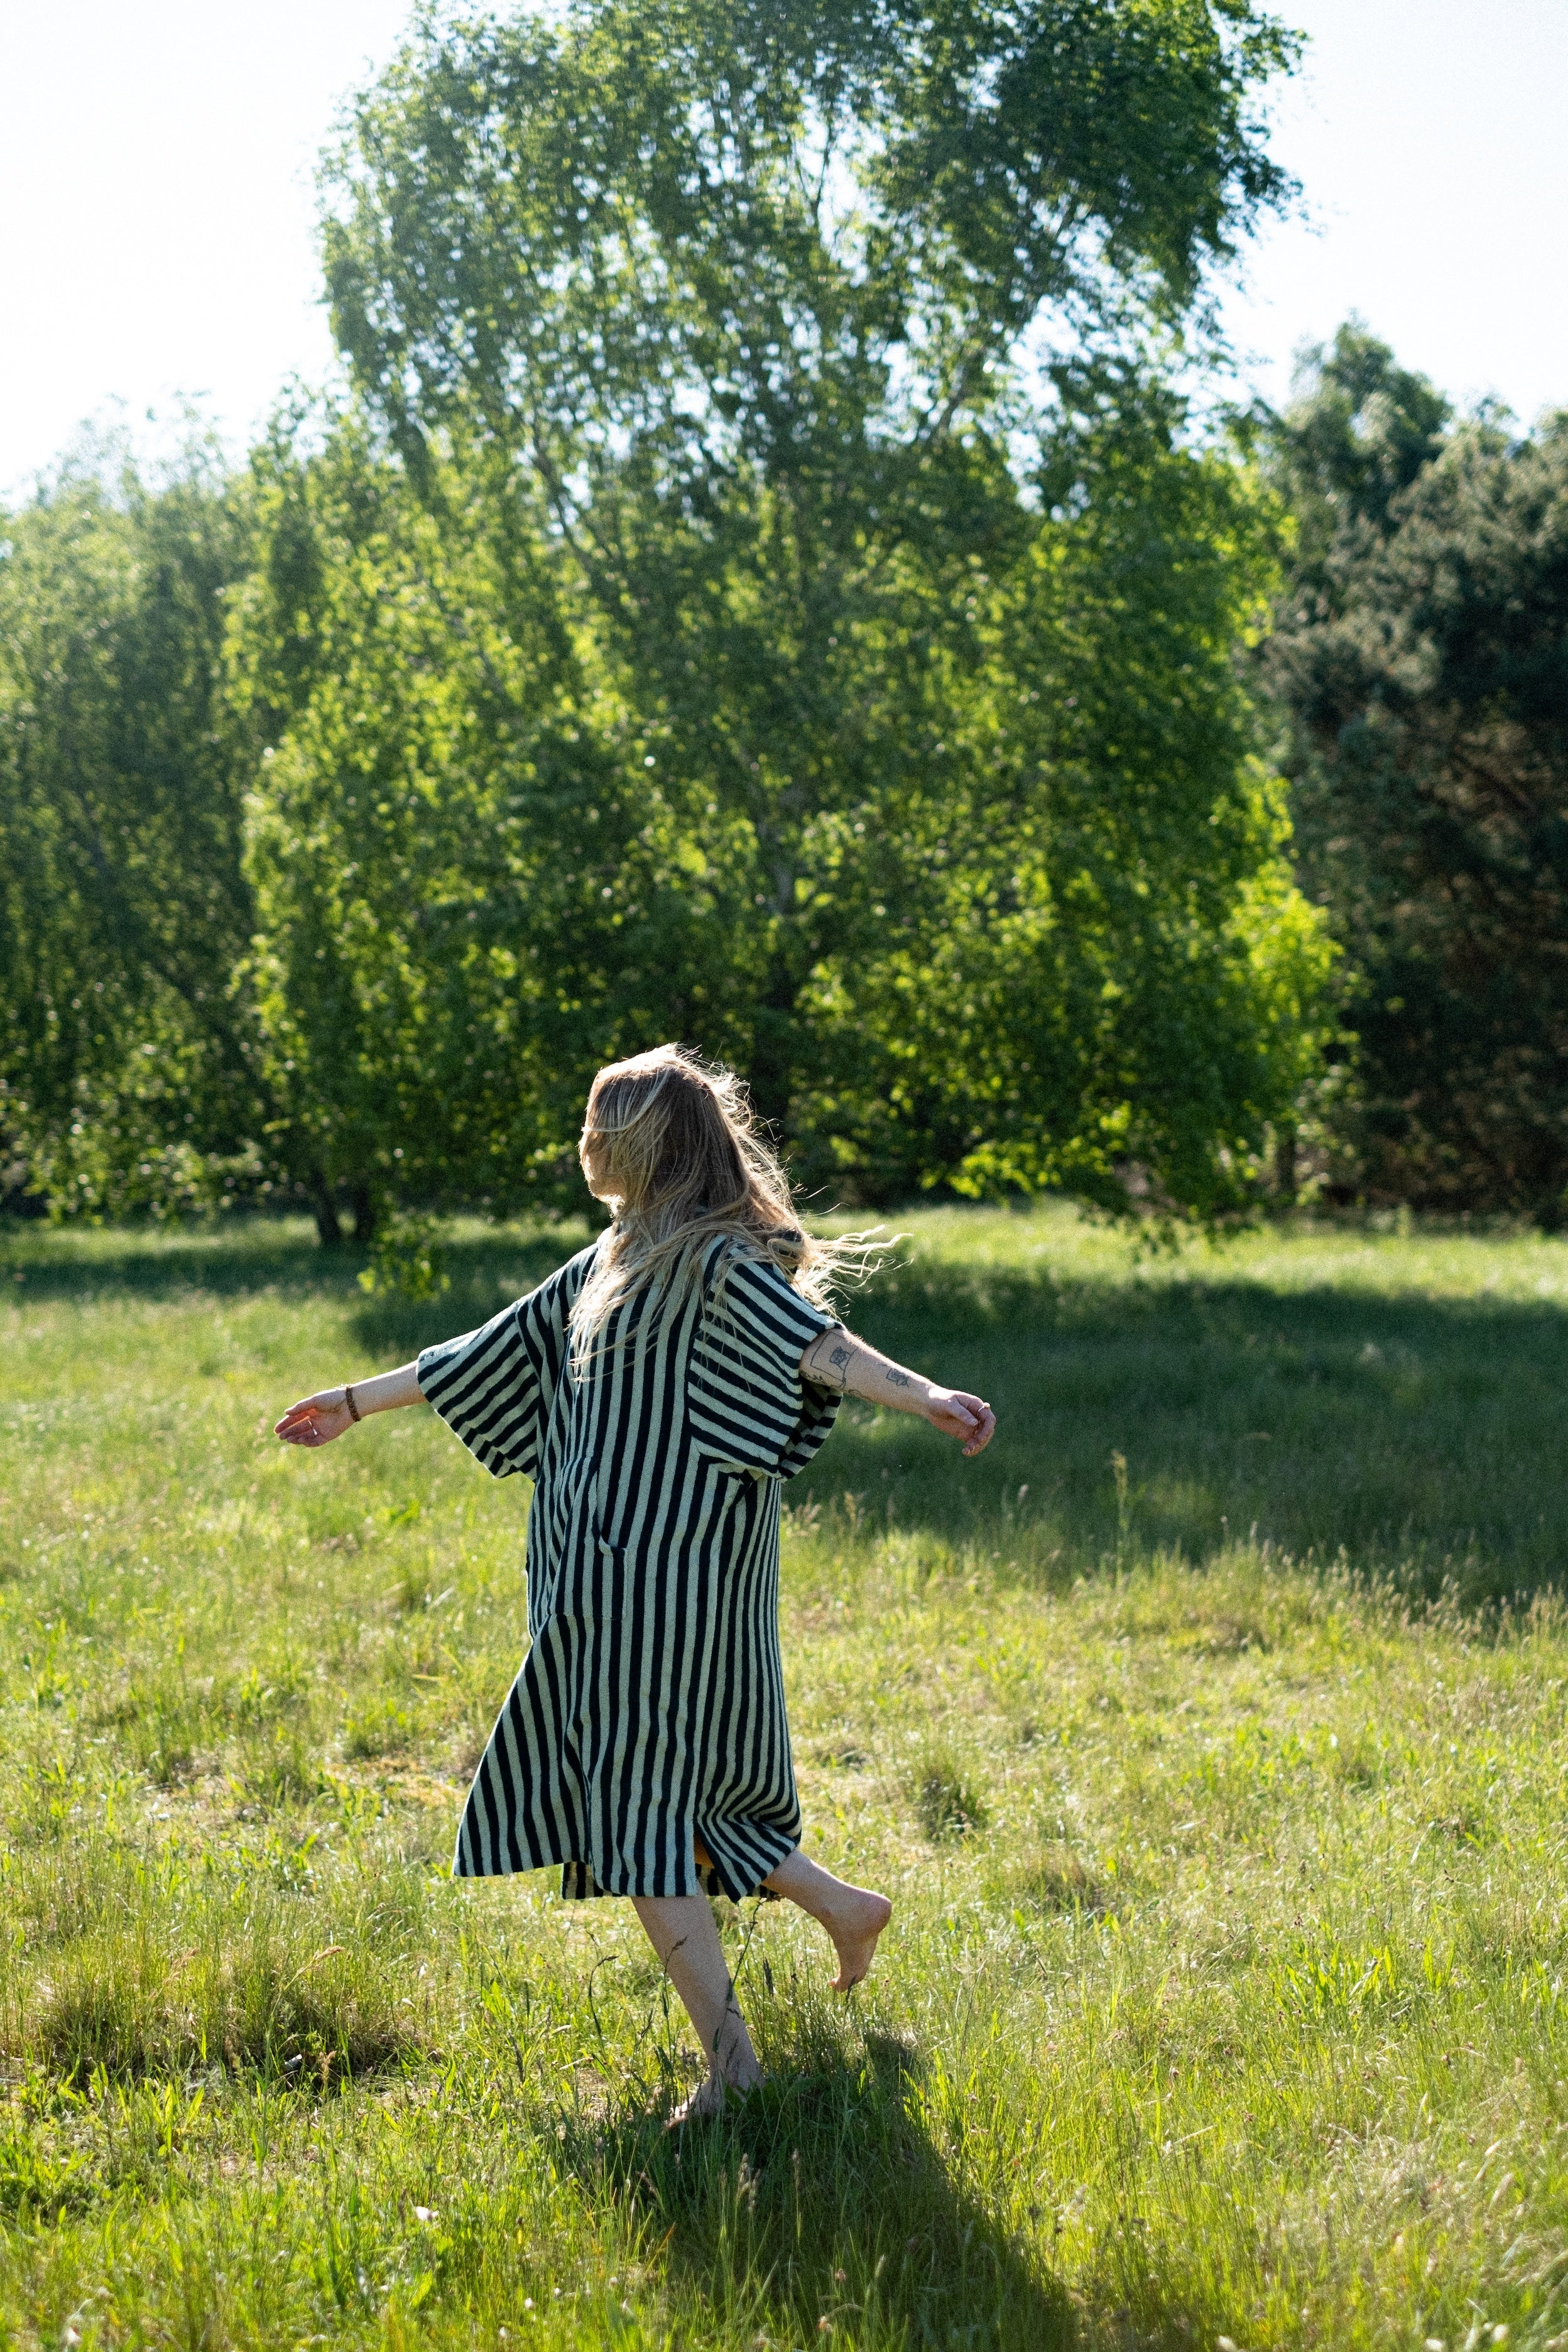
(749, 366)
(1045, 928)
(758, 591)
(725, 237)
(125, 1069)
(1422, 657)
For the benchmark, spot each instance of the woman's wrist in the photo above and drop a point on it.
(900, 1391)
(386, 1391)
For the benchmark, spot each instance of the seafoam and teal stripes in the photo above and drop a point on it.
(649, 1711)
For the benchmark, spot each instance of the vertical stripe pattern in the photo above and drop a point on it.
(648, 1715)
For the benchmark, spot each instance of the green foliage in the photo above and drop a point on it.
(1033, 922)
(1117, 970)
(126, 1078)
(1359, 431)
(687, 245)
(698, 655)
(406, 1259)
(460, 889)
(1272, 1854)
(758, 594)
(1423, 659)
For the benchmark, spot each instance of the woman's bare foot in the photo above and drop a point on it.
(855, 1925)
(853, 1916)
(681, 1930)
(710, 2099)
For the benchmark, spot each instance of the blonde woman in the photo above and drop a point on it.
(657, 1390)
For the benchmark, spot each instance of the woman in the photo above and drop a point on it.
(657, 1390)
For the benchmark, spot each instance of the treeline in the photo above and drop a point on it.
(758, 590)
(1419, 662)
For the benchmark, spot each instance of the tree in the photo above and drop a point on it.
(1074, 939)
(714, 347)
(1421, 657)
(1360, 429)
(1122, 975)
(469, 890)
(126, 1079)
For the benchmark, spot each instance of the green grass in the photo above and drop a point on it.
(1220, 1793)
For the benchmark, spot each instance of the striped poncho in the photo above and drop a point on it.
(648, 1715)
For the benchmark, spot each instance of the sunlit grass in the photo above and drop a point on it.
(1221, 1801)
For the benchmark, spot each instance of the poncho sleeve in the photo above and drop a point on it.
(750, 1408)
(495, 1387)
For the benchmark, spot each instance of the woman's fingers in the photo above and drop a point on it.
(313, 1421)
(963, 1416)
(984, 1434)
(978, 1422)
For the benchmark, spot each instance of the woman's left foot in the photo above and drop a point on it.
(710, 2099)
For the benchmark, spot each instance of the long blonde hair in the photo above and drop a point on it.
(685, 1163)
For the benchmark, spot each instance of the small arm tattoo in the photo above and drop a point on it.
(899, 1380)
(829, 1360)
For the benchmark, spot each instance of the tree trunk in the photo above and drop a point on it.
(362, 1200)
(1285, 1178)
(770, 1078)
(327, 1226)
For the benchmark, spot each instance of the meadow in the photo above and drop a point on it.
(1208, 1732)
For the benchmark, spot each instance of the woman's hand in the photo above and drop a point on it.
(316, 1420)
(958, 1415)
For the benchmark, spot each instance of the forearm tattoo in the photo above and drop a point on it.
(837, 1357)
(829, 1358)
(832, 1357)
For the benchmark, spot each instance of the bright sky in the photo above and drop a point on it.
(1431, 140)
(155, 191)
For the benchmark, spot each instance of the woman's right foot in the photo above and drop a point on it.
(855, 1923)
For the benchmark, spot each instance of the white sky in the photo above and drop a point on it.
(1431, 140)
(156, 201)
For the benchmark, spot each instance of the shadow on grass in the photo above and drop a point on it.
(1419, 1434)
(230, 1261)
(483, 1275)
(823, 2203)
(254, 1255)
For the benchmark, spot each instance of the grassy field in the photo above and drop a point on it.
(1209, 1733)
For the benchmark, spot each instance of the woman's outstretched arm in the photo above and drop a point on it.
(317, 1419)
(839, 1360)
